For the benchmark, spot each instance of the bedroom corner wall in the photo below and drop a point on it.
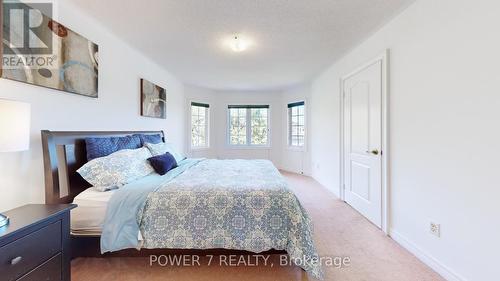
(219, 100)
(117, 108)
(296, 160)
(197, 94)
(444, 133)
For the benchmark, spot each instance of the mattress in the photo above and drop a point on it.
(87, 219)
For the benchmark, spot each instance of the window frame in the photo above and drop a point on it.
(207, 125)
(248, 128)
(289, 109)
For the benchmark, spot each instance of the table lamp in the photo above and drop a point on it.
(15, 120)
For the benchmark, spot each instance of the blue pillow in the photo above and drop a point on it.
(100, 147)
(163, 163)
(154, 139)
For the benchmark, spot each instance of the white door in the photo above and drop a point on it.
(363, 142)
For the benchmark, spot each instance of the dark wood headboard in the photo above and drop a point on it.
(63, 154)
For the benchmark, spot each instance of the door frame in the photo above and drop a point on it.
(384, 59)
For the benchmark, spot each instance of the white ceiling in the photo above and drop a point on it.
(294, 40)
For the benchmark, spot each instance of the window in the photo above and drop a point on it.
(199, 125)
(296, 124)
(248, 125)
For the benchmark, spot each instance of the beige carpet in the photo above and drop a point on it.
(339, 231)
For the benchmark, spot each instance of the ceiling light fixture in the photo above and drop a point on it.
(238, 44)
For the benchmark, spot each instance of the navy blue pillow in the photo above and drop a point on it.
(100, 147)
(154, 139)
(163, 163)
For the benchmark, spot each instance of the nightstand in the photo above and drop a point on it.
(35, 246)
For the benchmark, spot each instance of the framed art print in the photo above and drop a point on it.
(52, 56)
(153, 100)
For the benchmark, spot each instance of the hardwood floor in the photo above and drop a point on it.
(338, 231)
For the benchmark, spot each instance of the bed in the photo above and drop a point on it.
(204, 206)
(88, 218)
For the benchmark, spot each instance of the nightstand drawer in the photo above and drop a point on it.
(28, 252)
(49, 271)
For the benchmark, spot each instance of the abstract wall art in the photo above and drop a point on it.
(153, 100)
(38, 50)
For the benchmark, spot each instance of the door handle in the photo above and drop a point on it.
(374, 152)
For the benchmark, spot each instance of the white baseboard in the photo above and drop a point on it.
(429, 260)
(333, 191)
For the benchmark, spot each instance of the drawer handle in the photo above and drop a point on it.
(15, 261)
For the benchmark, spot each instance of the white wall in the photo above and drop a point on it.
(444, 131)
(117, 108)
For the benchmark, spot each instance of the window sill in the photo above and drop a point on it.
(199, 148)
(249, 147)
(296, 148)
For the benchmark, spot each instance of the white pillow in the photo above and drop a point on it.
(117, 169)
(162, 148)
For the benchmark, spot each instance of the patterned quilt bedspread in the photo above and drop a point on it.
(230, 204)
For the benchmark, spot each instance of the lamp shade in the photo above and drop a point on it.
(15, 120)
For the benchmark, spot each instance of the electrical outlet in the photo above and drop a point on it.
(435, 229)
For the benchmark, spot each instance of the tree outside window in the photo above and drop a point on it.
(248, 125)
(296, 124)
(199, 125)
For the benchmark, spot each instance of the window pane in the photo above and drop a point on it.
(194, 137)
(202, 139)
(300, 120)
(201, 119)
(259, 117)
(233, 112)
(199, 134)
(237, 126)
(301, 131)
(259, 126)
(259, 136)
(300, 110)
(296, 132)
(300, 141)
